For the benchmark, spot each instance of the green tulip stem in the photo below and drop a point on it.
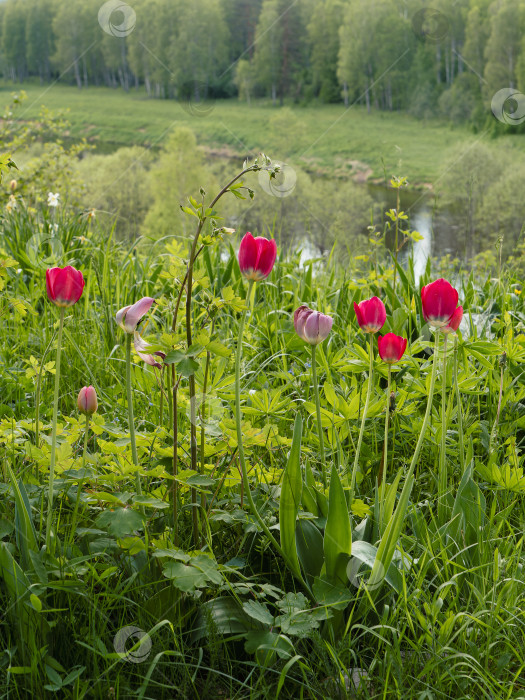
(318, 414)
(385, 452)
(363, 420)
(442, 475)
(54, 431)
(460, 414)
(81, 481)
(428, 412)
(131, 418)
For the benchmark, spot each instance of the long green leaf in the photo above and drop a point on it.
(388, 544)
(337, 543)
(24, 528)
(291, 492)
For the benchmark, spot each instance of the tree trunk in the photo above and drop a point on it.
(77, 74)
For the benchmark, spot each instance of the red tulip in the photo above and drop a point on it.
(391, 347)
(312, 326)
(371, 314)
(87, 400)
(64, 285)
(453, 321)
(439, 301)
(257, 256)
(129, 316)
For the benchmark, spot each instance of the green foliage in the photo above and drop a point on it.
(425, 605)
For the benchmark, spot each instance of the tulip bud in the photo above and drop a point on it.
(371, 314)
(87, 400)
(439, 300)
(312, 326)
(64, 285)
(257, 257)
(391, 347)
(13, 184)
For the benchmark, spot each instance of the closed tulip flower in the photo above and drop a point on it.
(454, 321)
(64, 285)
(391, 347)
(129, 316)
(257, 257)
(439, 300)
(371, 314)
(87, 400)
(312, 326)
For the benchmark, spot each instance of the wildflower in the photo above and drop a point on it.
(52, 199)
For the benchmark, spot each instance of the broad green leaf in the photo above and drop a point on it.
(185, 578)
(120, 522)
(291, 491)
(337, 543)
(309, 542)
(258, 611)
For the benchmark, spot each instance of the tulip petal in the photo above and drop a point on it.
(248, 254)
(141, 348)
(300, 317)
(136, 312)
(266, 255)
(454, 321)
(120, 317)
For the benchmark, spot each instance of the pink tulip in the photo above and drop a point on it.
(439, 300)
(64, 285)
(141, 348)
(87, 400)
(453, 321)
(312, 326)
(391, 347)
(129, 316)
(371, 314)
(257, 257)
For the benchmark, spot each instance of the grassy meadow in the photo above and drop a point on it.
(251, 505)
(321, 138)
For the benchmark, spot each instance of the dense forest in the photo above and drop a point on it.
(446, 59)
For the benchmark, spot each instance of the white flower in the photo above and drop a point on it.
(55, 227)
(252, 392)
(52, 199)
